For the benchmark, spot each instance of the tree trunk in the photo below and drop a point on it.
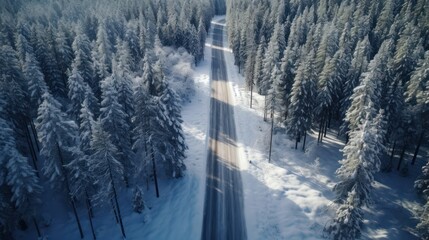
(114, 211)
(88, 202)
(401, 157)
(326, 128)
(265, 108)
(32, 153)
(154, 171)
(251, 93)
(392, 154)
(296, 142)
(116, 202)
(271, 138)
(320, 136)
(33, 128)
(90, 216)
(69, 192)
(39, 235)
(417, 148)
(303, 143)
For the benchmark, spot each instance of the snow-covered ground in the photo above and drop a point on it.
(291, 196)
(287, 198)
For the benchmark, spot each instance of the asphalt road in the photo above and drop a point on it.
(223, 207)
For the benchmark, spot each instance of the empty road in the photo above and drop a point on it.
(223, 207)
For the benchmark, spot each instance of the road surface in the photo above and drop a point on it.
(223, 207)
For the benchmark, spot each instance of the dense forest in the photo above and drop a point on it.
(87, 105)
(360, 65)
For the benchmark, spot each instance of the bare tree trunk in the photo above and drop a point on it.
(303, 143)
(251, 93)
(154, 171)
(88, 202)
(66, 179)
(417, 148)
(39, 235)
(32, 153)
(271, 138)
(117, 203)
(90, 216)
(265, 108)
(33, 128)
(401, 157)
(114, 211)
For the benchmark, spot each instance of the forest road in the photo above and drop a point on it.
(223, 206)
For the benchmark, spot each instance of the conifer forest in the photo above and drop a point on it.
(114, 114)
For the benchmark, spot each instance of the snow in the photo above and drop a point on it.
(287, 198)
(291, 197)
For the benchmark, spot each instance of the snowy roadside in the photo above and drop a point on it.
(180, 215)
(291, 197)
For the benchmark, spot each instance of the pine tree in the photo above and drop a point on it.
(103, 52)
(114, 121)
(201, 39)
(58, 137)
(272, 57)
(369, 91)
(77, 92)
(173, 143)
(422, 183)
(12, 85)
(300, 112)
(36, 83)
(258, 72)
(16, 173)
(138, 202)
(361, 160)
(86, 118)
(105, 168)
(358, 66)
(83, 62)
(348, 220)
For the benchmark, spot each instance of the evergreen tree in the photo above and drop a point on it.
(58, 137)
(361, 160)
(36, 83)
(105, 168)
(12, 85)
(114, 121)
(369, 91)
(300, 112)
(16, 173)
(258, 72)
(103, 53)
(201, 39)
(83, 62)
(77, 92)
(173, 143)
(138, 202)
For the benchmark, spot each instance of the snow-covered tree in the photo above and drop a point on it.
(173, 145)
(77, 92)
(368, 92)
(83, 62)
(348, 220)
(300, 112)
(138, 201)
(58, 136)
(258, 72)
(422, 183)
(16, 172)
(361, 160)
(103, 52)
(114, 121)
(36, 83)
